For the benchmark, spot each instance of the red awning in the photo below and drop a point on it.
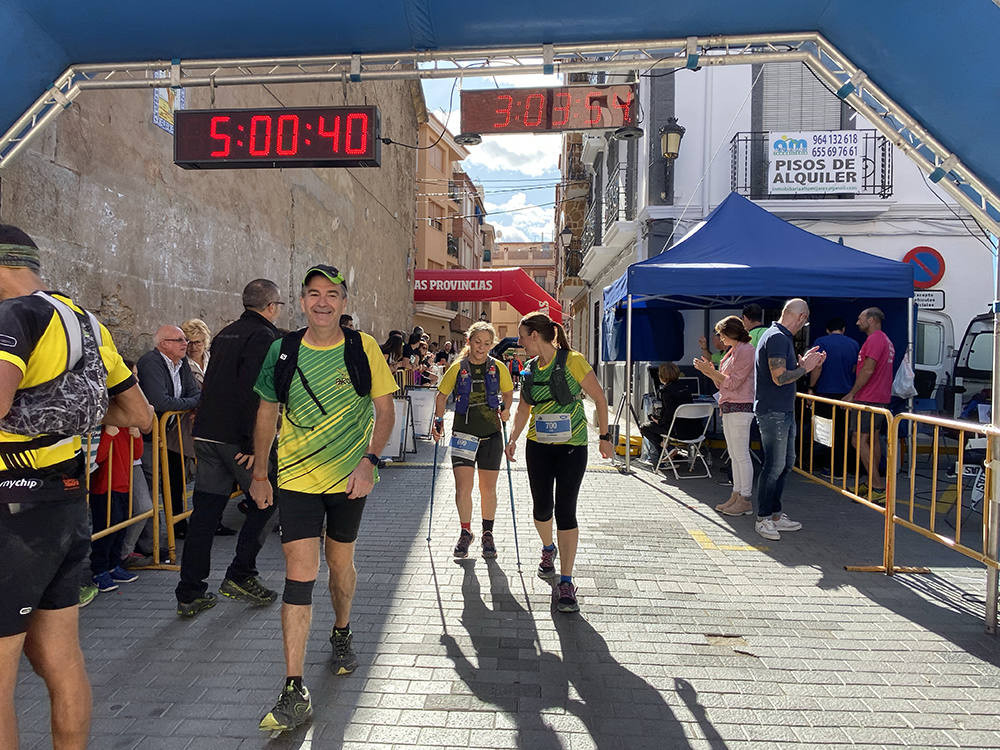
(510, 285)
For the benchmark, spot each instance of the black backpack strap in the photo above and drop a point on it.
(356, 361)
(287, 364)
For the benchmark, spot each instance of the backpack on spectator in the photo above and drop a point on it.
(74, 402)
(355, 359)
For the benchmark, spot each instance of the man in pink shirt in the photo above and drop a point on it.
(873, 387)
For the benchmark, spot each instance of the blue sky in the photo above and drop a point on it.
(518, 172)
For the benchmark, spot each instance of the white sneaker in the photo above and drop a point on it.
(784, 523)
(765, 527)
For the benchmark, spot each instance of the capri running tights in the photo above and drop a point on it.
(557, 467)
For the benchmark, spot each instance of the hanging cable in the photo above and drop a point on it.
(722, 143)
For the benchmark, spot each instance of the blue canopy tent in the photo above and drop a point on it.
(741, 253)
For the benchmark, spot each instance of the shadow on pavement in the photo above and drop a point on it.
(837, 532)
(534, 687)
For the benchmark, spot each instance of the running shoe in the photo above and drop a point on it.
(784, 523)
(464, 540)
(765, 527)
(120, 575)
(88, 592)
(566, 593)
(489, 548)
(343, 660)
(251, 590)
(190, 609)
(547, 568)
(293, 709)
(137, 560)
(104, 582)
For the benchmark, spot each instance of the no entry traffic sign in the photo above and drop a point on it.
(928, 266)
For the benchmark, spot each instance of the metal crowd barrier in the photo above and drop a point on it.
(90, 447)
(163, 424)
(910, 508)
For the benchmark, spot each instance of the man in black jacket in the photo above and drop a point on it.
(223, 438)
(165, 377)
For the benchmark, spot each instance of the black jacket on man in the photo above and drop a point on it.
(155, 382)
(228, 407)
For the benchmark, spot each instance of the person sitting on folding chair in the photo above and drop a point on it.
(671, 394)
(691, 420)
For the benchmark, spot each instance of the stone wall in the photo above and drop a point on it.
(142, 242)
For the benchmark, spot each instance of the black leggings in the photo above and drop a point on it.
(560, 465)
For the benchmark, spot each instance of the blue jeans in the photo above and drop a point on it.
(777, 436)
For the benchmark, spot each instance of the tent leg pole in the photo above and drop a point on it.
(991, 544)
(628, 386)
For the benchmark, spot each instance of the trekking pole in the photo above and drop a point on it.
(510, 484)
(430, 516)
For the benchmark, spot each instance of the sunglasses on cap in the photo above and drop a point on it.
(331, 273)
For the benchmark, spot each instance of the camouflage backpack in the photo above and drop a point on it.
(74, 402)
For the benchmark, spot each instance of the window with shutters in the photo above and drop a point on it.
(794, 99)
(789, 97)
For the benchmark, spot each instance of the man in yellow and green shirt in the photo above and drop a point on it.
(335, 425)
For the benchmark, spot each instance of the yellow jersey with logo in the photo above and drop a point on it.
(323, 439)
(37, 468)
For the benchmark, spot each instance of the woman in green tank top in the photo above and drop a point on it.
(556, 448)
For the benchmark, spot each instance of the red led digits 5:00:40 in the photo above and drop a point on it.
(286, 141)
(303, 136)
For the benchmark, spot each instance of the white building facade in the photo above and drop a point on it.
(640, 203)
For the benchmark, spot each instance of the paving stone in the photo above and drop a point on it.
(679, 643)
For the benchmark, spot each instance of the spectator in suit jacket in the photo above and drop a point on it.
(166, 379)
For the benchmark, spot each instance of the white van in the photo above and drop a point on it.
(974, 364)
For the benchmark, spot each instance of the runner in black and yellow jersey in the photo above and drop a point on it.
(556, 452)
(483, 394)
(328, 377)
(60, 375)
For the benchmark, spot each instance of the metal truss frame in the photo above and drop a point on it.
(844, 78)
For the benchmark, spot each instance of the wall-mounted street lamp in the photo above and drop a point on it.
(670, 146)
(573, 258)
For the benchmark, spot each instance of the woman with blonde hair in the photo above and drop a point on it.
(553, 384)
(734, 379)
(199, 339)
(483, 394)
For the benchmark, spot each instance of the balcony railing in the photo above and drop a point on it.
(593, 229)
(750, 164)
(619, 203)
(452, 245)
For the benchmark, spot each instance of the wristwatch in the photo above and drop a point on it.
(605, 436)
(372, 458)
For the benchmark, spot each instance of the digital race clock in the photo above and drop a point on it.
(261, 138)
(493, 111)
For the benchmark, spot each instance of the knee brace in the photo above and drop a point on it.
(298, 592)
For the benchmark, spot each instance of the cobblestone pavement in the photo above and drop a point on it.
(693, 633)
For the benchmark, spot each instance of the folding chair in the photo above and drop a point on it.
(691, 413)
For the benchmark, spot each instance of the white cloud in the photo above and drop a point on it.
(530, 155)
(524, 221)
(529, 81)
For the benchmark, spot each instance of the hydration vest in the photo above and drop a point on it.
(558, 383)
(463, 385)
(75, 401)
(355, 359)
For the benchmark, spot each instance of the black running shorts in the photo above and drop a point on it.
(43, 548)
(303, 514)
(488, 454)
